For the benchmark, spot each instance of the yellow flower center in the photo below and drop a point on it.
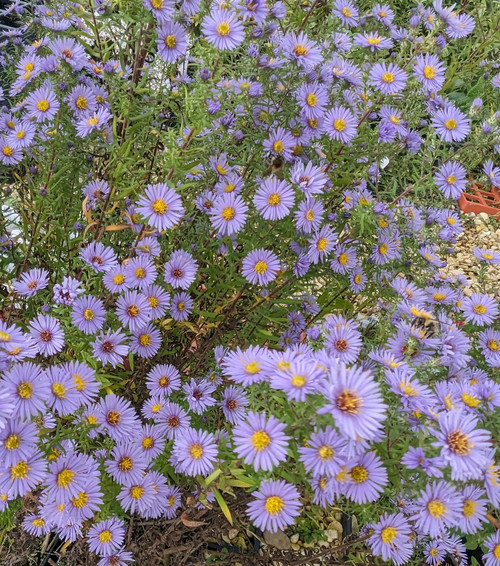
(25, 390)
(228, 213)
(93, 121)
(459, 443)
(395, 120)
(181, 306)
(157, 4)
(196, 451)
(339, 125)
(81, 500)
(13, 441)
(274, 504)
(65, 478)
(19, 471)
(346, 12)
(349, 402)
(388, 535)
(43, 105)
(21, 134)
(223, 29)
(260, 267)
(493, 345)
(274, 199)
(298, 381)
(278, 146)
(373, 40)
(118, 279)
(479, 309)
(38, 523)
(148, 442)
(113, 418)
(300, 50)
(436, 508)
(105, 536)
(260, 440)
(470, 400)
(388, 78)
(81, 103)
(145, 339)
(7, 151)
(322, 244)
(133, 311)
(156, 407)
(59, 390)
(469, 508)
(140, 273)
(311, 99)
(159, 206)
(252, 368)
(359, 474)
(125, 464)
(343, 259)
(326, 452)
(229, 188)
(4, 337)
(382, 249)
(358, 279)
(450, 124)
(496, 551)
(153, 302)
(451, 179)
(88, 314)
(429, 72)
(487, 255)
(136, 492)
(170, 41)
(309, 215)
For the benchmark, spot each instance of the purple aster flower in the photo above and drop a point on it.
(146, 341)
(35, 525)
(114, 280)
(31, 282)
(344, 259)
(23, 135)
(358, 279)
(181, 306)
(384, 251)
(451, 179)
(474, 507)
(260, 442)
(172, 420)
(489, 342)
(312, 99)
(233, 404)
(275, 507)
(321, 244)
(274, 199)
(9, 154)
(298, 48)
(84, 380)
(434, 552)
(133, 310)
(68, 476)
(108, 347)
(438, 507)
(159, 300)
(171, 42)
(161, 206)
(106, 537)
(228, 214)
(151, 442)
(180, 270)
(297, 321)
(298, 379)
(392, 538)
(355, 401)
(63, 398)
(69, 50)
(119, 558)
(138, 496)
(343, 343)
(42, 104)
(161, 9)
(127, 463)
(388, 78)
(27, 388)
(347, 11)
(492, 172)
(260, 267)
(140, 272)
(23, 475)
(451, 124)
(47, 334)
(88, 314)
(368, 479)
(280, 143)
(17, 441)
(173, 498)
(163, 379)
(373, 41)
(430, 72)
(464, 446)
(194, 452)
(309, 178)
(416, 458)
(101, 258)
(323, 454)
(245, 366)
(492, 544)
(82, 101)
(223, 29)
(479, 309)
(117, 418)
(198, 395)
(148, 246)
(97, 120)
(66, 292)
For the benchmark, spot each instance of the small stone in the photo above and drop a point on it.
(295, 546)
(323, 544)
(355, 525)
(233, 533)
(336, 526)
(279, 540)
(484, 216)
(309, 544)
(240, 542)
(225, 538)
(294, 538)
(331, 535)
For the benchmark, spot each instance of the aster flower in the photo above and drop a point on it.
(161, 206)
(260, 442)
(101, 258)
(298, 48)
(473, 512)
(133, 310)
(173, 501)
(88, 314)
(28, 389)
(181, 306)
(223, 29)
(430, 72)
(108, 347)
(47, 334)
(347, 11)
(463, 445)
(140, 272)
(159, 300)
(194, 452)
(23, 475)
(321, 244)
(309, 178)
(66, 292)
(171, 42)
(117, 417)
(490, 257)
(233, 404)
(341, 124)
(228, 214)
(198, 395)
(388, 78)
(298, 379)
(492, 544)
(172, 420)
(438, 507)
(17, 441)
(435, 552)
(354, 401)
(114, 280)
(280, 143)
(451, 124)
(151, 442)
(451, 179)
(146, 341)
(68, 476)
(138, 496)
(479, 309)
(373, 41)
(106, 537)
(275, 506)
(416, 458)
(245, 367)
(68, 50)
(82, 101)
(489, 342)
(260, 267)
(180, 270)
(42, 104)
(127, 463)
(163, 379)
(63, 397)
(324, 453)
(368, 479)
(312, 99)
(343, 343)
(90, 122)
(31, 282)
(9, 154)
(392, 538)
(274, 199)
(35, 525)
(161, 9)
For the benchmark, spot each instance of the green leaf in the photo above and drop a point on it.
(223, 505)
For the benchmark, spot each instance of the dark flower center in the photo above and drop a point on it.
(108, 346)
(46, 335)
(178, 273)
(173, 422)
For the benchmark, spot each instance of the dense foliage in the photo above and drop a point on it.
(201, 203)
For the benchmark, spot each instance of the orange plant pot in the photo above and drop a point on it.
(480, 201)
